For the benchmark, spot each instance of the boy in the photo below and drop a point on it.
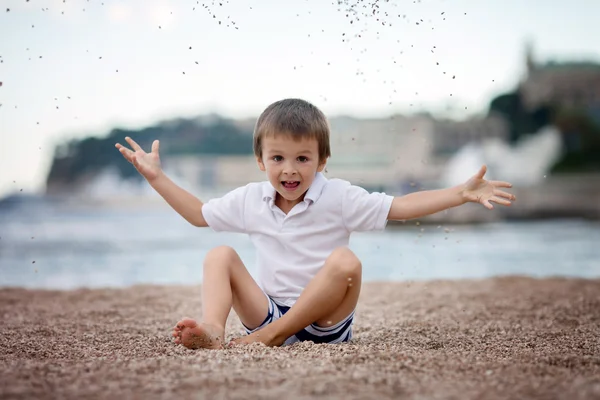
(300, 223)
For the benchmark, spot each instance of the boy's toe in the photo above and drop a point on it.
(186, 323)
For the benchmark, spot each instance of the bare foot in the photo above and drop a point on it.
(266, 336)
(195, 336)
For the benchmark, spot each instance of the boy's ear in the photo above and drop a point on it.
(261, 165)
(321, 166)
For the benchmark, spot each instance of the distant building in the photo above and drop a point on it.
(397, 151)
(451, 136)
(220, 173)
(570, 84)
(378, 153)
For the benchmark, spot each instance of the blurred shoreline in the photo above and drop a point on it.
(563, 196)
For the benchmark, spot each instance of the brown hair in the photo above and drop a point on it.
(297, 118)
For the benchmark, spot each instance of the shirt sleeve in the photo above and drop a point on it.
(363, 211)
(226, 214)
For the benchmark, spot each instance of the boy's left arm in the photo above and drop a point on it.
(476, 189)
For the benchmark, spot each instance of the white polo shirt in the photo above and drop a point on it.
(292, 248)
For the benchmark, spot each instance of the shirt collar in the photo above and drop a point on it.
(312, 194)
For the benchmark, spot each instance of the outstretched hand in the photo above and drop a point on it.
(147, 164)
(478, 190)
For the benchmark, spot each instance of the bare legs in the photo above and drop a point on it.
(329, 298)
(226, 284)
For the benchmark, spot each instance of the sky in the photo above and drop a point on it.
(75, 68)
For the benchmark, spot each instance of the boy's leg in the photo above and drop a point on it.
(226, 283)
(329, 298)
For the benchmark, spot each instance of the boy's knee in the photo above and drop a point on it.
(220, 255)
(345, 262)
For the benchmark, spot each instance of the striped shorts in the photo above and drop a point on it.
(338, 333)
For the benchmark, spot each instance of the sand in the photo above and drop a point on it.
(504, 338)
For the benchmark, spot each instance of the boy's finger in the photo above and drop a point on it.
(119, 146)
(133, 144)
(482, 172)
(128, 154)
(500, 200)
(155, 146)
(502, 193)
(501, 184)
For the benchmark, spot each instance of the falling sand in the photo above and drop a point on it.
(503, 338)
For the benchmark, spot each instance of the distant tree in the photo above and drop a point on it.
(521, 122)
(581, 140)
(580, 129)
(76, 158)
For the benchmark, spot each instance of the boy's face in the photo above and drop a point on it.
(290, 166)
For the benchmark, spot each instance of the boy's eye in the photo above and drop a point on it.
(277, 158)
(302, 159)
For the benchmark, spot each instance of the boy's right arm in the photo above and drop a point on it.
(186, 204)
(148, 165)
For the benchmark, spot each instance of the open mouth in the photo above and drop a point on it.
(290, 185)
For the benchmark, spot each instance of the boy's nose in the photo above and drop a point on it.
(289, 170)
(290, 173)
